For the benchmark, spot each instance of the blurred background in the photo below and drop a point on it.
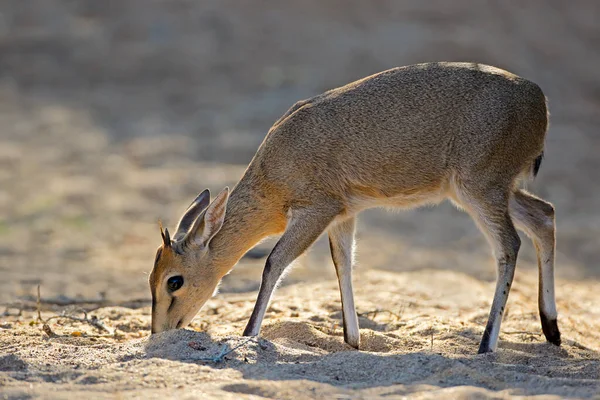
(116, 113)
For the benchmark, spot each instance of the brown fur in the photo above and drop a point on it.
(401, 138)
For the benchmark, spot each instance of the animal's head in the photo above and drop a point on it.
(185, 274)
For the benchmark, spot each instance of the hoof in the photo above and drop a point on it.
(550, 329)
(485, 346)
(484, 350)
(248, 332)
(352, 341)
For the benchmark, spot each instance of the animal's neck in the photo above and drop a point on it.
(249, 219)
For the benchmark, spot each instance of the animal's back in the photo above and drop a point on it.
(402, 131)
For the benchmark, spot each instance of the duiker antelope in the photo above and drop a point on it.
(403, 137)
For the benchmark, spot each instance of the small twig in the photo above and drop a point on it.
(521, 333)
(224, 352)
(374, 313)
(93, 321)
(579, 346)
(48, 331)
(39, 304)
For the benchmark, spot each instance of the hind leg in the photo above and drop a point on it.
(341, 243)
(488, 205)
(536, 218)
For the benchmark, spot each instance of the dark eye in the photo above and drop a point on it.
(174, 283)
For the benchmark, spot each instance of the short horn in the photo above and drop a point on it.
(167, 238)
(165, 235)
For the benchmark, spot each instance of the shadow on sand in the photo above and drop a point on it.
(312, 356)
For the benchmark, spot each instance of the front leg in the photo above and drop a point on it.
(341, 243)
(305, 226)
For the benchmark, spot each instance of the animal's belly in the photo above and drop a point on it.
(406, 199)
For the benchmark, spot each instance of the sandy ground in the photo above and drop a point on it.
(114, 117)
(420, 332)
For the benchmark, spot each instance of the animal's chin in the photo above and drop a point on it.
(185, 321)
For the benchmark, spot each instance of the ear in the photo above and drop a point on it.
(208, 224)
(191, 214)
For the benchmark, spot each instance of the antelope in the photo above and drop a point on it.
(414, 135)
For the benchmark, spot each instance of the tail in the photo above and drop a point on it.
(537, 164)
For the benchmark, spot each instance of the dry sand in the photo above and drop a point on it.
(421, 342)
(114, 117)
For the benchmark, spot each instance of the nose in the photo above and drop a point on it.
(155, 327)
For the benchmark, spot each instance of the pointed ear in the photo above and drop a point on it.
(191, 214)
(208, 224)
